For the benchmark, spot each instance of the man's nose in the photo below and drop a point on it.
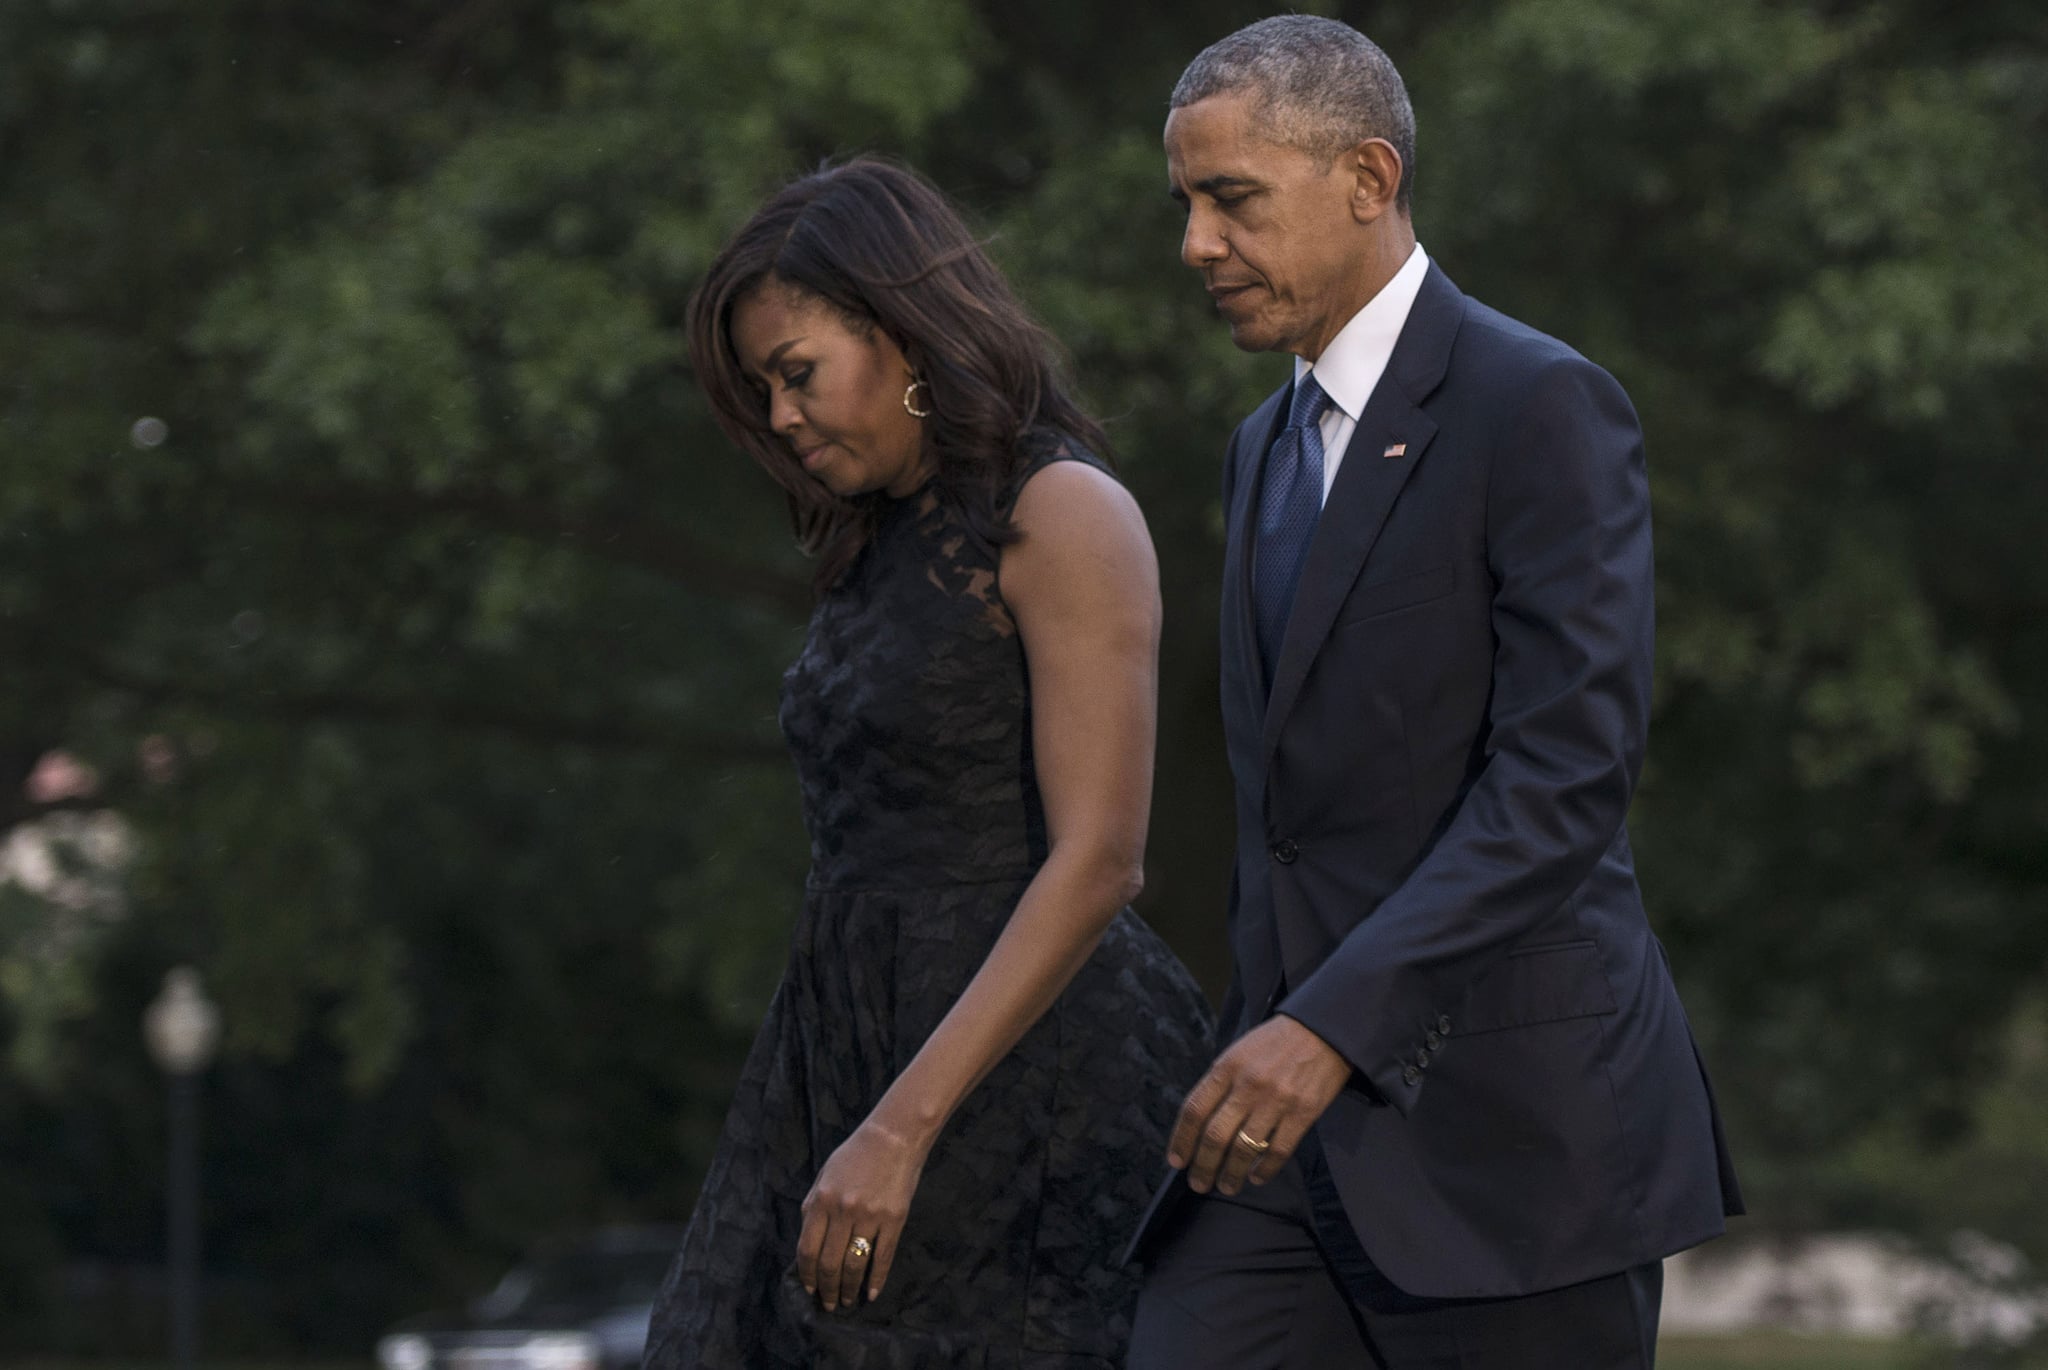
(1200, 244)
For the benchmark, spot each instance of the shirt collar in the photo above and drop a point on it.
(1352, 364)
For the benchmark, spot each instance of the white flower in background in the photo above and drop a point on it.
(60, 893)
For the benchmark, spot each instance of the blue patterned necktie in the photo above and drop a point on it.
(1290, 502)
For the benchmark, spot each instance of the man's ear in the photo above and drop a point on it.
(1376, 179)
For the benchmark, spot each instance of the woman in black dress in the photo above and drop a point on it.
(958, 1104)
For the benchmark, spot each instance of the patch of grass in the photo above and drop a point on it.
(1786, 1351)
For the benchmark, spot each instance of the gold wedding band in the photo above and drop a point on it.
(1251, 1143)
(860, 1248)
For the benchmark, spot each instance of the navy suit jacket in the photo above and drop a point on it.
(1433, 871)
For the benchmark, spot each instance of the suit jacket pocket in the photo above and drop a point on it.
(1539, 984)
(1375, 598)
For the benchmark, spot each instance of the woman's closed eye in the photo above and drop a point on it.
(794, 379)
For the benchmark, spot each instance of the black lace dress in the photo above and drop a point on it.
(909, 715)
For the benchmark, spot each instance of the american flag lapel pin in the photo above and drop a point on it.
(1399, 449)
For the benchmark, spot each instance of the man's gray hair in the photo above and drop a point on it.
(1317, 85)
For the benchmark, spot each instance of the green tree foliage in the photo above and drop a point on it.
(427, 645)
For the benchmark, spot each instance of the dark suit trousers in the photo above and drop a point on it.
(1275, 1279)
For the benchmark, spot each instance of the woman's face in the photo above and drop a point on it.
(834, 392)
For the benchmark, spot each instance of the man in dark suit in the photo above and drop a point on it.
(1463, 1118)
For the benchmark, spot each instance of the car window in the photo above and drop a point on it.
(592, 1279)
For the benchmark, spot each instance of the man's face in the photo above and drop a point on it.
(1270, 228)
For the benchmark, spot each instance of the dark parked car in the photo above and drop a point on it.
(576, 1307)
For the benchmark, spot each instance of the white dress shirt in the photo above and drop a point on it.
(1355, 359)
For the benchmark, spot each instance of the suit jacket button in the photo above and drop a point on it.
(1434, 1040)
(1443, 1025)
(1284, 851)
(1411, 1075)
(1422, 1060)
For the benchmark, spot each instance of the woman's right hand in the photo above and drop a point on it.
(863, 1192)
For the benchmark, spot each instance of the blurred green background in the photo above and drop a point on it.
(385, 629)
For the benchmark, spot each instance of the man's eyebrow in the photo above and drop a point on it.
(1211, 185)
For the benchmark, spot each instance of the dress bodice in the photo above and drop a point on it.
(909, 711)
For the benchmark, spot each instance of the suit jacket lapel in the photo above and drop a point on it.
(1366, 487)
(1259, 430)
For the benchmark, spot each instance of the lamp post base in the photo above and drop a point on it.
(184, 1220)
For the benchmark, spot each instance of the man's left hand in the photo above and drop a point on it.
(1270, 1086)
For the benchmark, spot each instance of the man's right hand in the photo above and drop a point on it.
(1270, 1086)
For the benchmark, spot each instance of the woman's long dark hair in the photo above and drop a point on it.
(884, 247)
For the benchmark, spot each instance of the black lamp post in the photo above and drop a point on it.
(182, 1028)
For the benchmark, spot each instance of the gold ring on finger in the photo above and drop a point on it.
(1253, 1144)
(860, 1248)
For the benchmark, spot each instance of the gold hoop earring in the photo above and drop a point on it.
(910, 391)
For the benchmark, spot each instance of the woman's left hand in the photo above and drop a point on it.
(863, 1191)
